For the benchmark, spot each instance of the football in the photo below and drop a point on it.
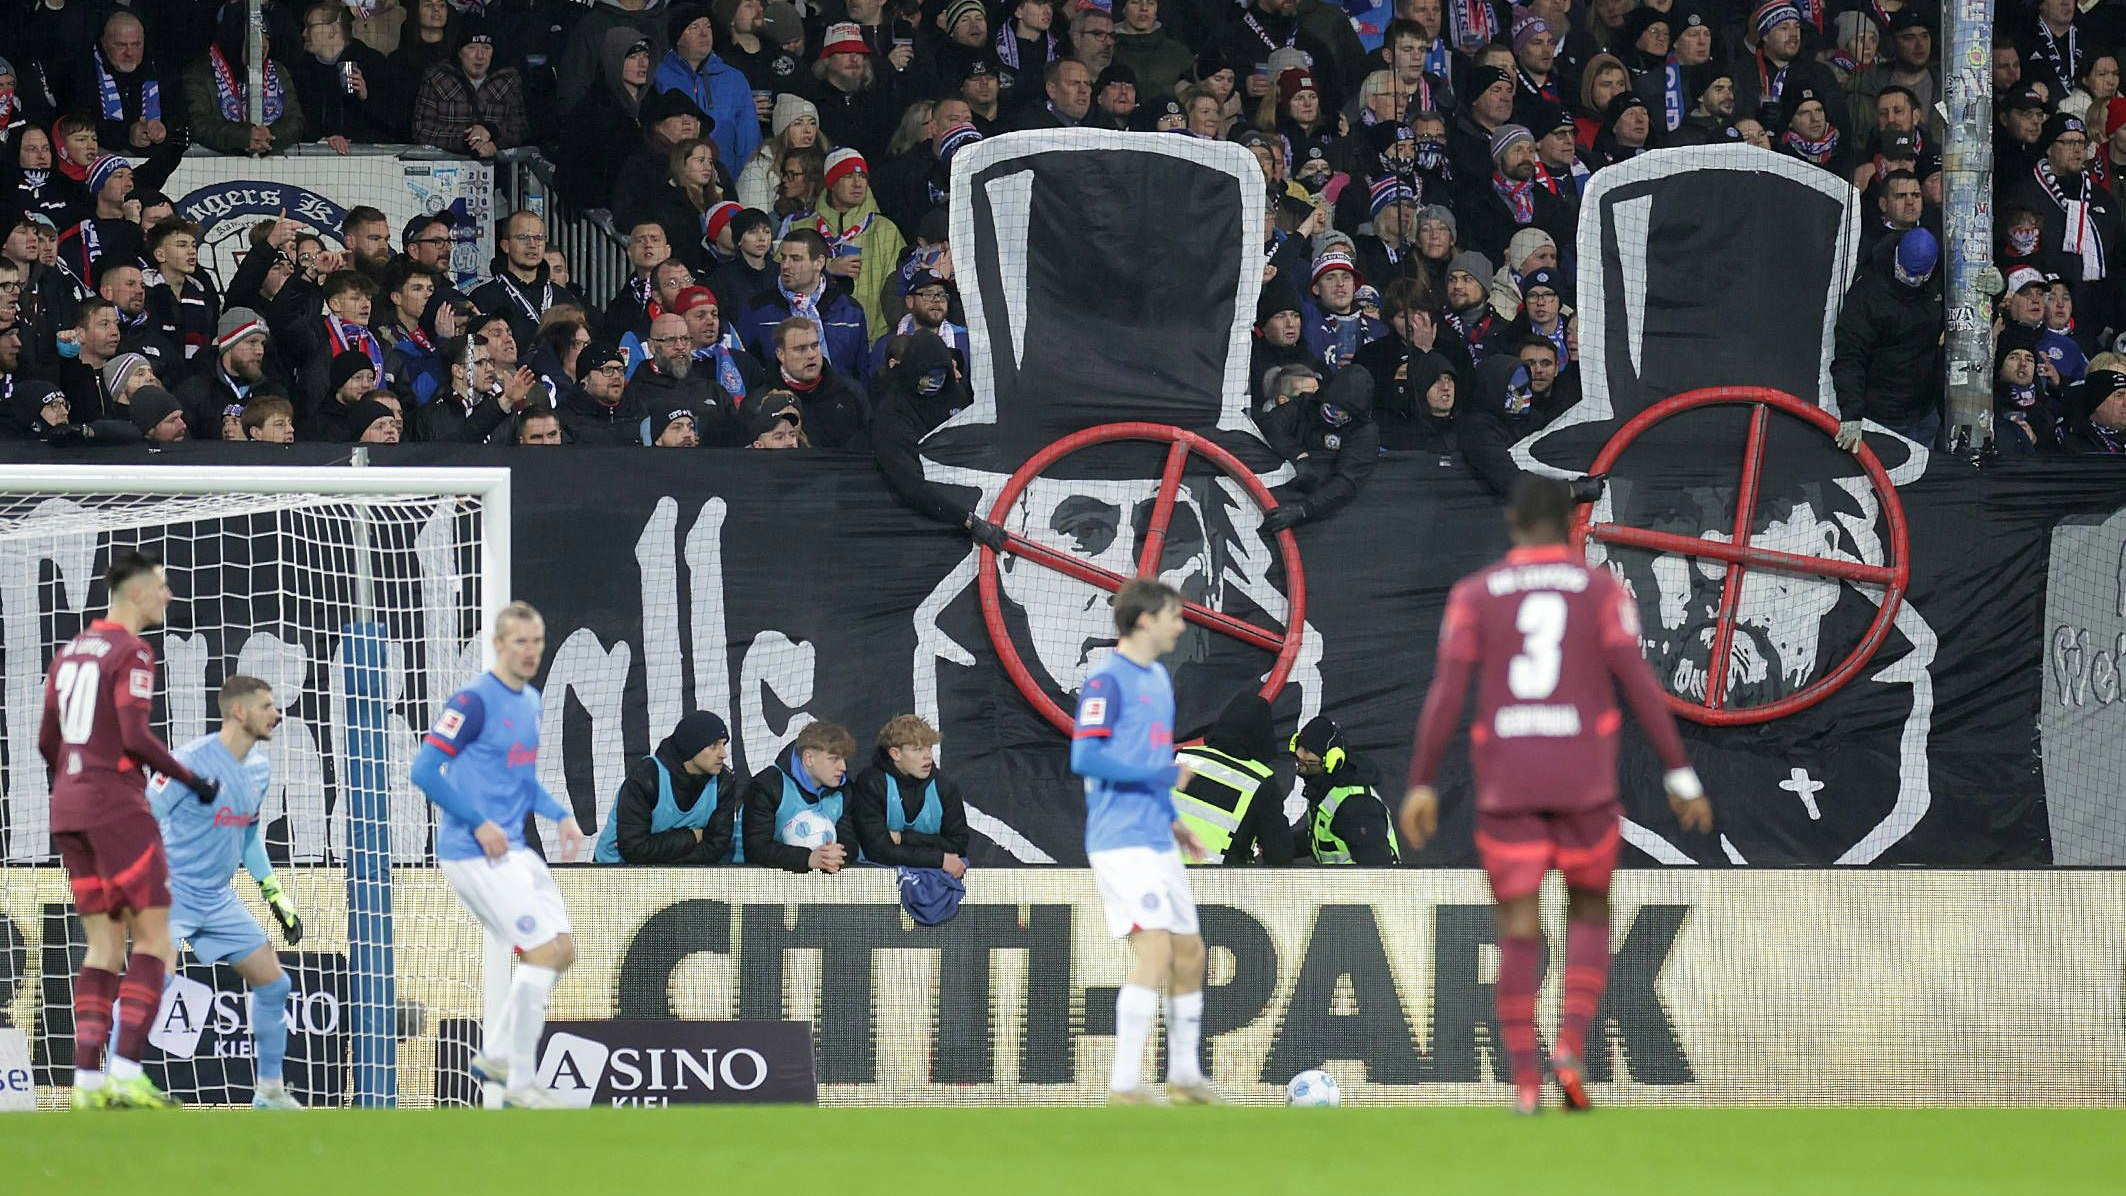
(807, 829)
(1312, 1089)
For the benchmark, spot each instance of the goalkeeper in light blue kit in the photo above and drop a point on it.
(205, 839)
(479, 764)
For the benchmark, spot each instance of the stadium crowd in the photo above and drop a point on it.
(780, 172)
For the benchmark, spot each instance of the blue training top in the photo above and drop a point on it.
(205, 843)
(1123, 746)
(480, 763)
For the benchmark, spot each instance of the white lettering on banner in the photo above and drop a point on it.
(1383, 976)
(18, 1087)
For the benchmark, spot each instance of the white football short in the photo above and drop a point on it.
(1144, 889)
(515, 897)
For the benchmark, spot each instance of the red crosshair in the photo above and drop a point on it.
(1740, 555)
(1284, 643)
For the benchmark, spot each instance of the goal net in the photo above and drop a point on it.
(359, 595)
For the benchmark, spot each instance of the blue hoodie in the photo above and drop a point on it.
(721, 91)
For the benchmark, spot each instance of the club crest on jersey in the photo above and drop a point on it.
(142, 683)
(449, 725)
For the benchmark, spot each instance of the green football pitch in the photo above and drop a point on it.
(1083, 1152)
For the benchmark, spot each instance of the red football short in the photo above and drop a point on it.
(116, 866)
(1517, 849)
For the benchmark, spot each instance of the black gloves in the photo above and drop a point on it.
(1288, 515)
(206, 788)
(987, 534)
(1589, 488)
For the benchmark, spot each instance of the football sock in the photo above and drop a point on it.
(1135, 1009)
(94, 992)
(1586, 972)
(269, 1007)
(527, 1017)
(1184, 1030)
(1520, 975)
(138, 996)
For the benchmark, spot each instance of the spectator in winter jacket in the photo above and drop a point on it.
(1426, 407)
(122, 88)
(216, 98)
(237, 373)
(2096, 425)
(671, 374)
(857, 108)
(1504, 409)
(907, 812)
(1335, 327)
(608, 117)
(1329, 437)
(801, 290)
(598, 410)
(523, 290)
(922, 391)
(678, 805)
(863, 246)
(1886, 361)
(716, 87)
(835, 407)
(809, 775)
(352, 94)
(468, 107)
(718, 355)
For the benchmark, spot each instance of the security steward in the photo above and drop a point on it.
(1233, 802)
(1347, 821)
(908, 813)
(678, 805)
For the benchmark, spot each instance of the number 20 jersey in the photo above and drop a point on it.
(1550, 641)
(94, 778)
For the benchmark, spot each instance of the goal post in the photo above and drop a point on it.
(366, 596)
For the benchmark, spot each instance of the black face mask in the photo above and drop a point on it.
(1430, 155)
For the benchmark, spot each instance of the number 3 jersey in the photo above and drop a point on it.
(1550, 641)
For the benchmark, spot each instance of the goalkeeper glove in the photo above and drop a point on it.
(283, 909)
(206, 788)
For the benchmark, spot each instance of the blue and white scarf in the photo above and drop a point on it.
(113, 104)
(718, 356)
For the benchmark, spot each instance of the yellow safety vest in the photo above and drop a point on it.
(1223, 786)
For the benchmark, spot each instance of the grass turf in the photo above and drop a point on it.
(1023, 1152)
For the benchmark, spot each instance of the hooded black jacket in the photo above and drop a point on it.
(1333, 459)
(881, 783)
(1404, 419)
(1489, 431)
(763, 797)
(1245, 729)
(904, 418)
(638, 801)
(1887, 363)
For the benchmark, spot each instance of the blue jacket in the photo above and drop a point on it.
(721, 91)
(847, 339)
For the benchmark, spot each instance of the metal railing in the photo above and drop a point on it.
(595, 249)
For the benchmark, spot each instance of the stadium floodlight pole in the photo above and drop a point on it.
(1967, 218)
(255, 64)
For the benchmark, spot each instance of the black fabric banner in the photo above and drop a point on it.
(770, 586)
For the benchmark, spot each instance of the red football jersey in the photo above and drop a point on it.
(1550, 641)
(102, 679)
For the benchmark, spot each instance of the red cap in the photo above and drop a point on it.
(691, 298)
